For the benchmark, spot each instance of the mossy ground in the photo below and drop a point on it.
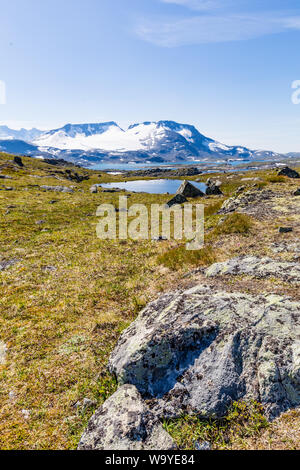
(66, 300)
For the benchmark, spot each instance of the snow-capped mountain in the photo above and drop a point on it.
(162, 141)
(28, 135)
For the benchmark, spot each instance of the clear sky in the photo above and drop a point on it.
(226, 66)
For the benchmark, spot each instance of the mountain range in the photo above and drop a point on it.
(147, 142)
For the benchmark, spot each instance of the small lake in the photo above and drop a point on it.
(160, 186)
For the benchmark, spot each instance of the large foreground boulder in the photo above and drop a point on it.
(124, 422)
(196, 351)
(187, 189)
(258, 267)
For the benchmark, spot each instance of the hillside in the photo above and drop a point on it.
(67, 296)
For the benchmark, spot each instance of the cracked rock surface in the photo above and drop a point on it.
(196, 351)
(258, 267)
(124, 422)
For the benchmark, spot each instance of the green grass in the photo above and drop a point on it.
(243, 421)
(234, 223)
(64, 304)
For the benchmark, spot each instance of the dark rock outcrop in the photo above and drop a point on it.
(286, 171)
(187, 189)
(177, 199)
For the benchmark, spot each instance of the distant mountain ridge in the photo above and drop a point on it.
(153, 142)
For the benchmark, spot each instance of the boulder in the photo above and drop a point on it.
(5, 264)
(177, 199)
(93, 189)
(58, 189)
(213, 189)
(286, 171)
(285, 229)
(257, 267)
(196, 351)
(187, 189)
(124, 422)
(18, 161)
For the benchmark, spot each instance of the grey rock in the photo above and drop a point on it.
(285, 247)
(202, 445)
(5, 264)
(242, 201)
(286, 171)
(257, 267)
(285, 229)
(177, 199)
(93, 189)
(4, 177)
(196, 351)
(3, 349)
(187, 189)
(124, 422)
(58, 189)
(297, 192)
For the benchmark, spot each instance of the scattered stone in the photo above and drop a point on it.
(159, 239)
(3, 349)
(286, 171)
(12, 395)
(177, 199)
(297, 192)
(285, 229)
(85, 404)
(7, 264)
(196, 351)
(188, 190)
(54, 201)
(49, 268)
(285, 247)
(202, 445)
(124, 422)
(18, 161)
(26, 414)
(4, 177)
(258, 267)
(58, 189)
(93, 189)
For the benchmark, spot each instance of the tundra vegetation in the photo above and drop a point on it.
(66, 296)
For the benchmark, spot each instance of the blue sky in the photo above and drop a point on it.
(226, 66)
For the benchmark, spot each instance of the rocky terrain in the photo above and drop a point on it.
(123, 344)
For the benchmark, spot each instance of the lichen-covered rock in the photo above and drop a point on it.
(124, 422)
(196, 351)
(258, 267)
(58, 189)
(244, 200)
